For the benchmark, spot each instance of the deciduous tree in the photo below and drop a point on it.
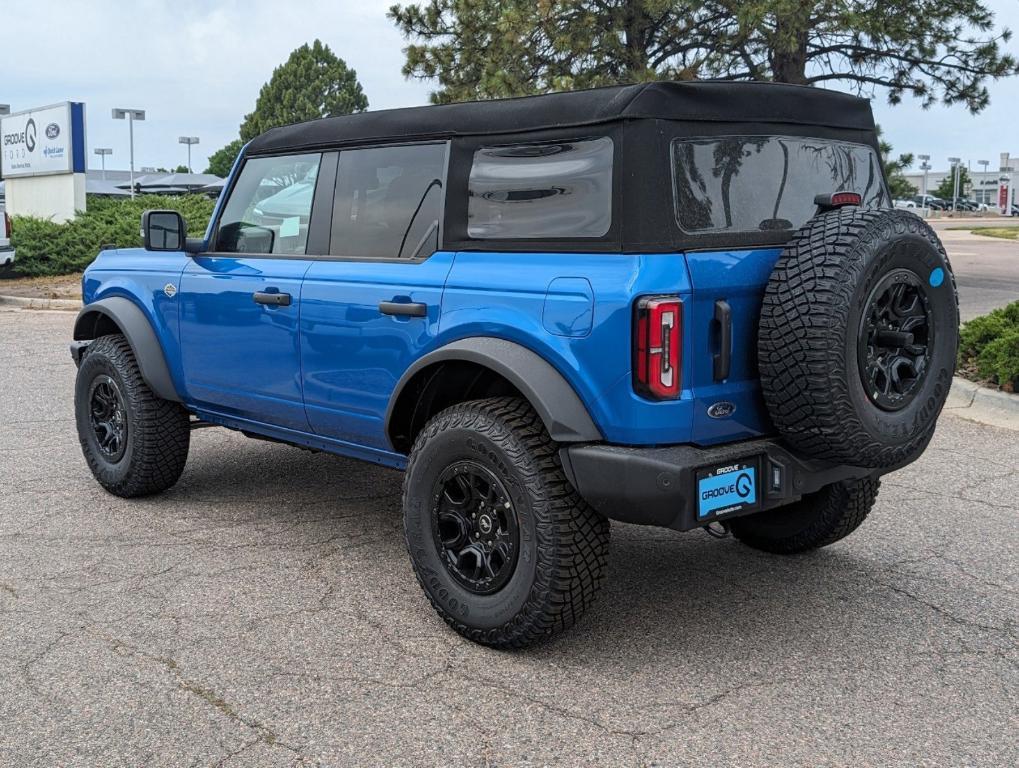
(222, 160)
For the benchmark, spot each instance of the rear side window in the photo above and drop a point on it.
(388, 202)
(760, 183)
(269, 207)
(539, 191)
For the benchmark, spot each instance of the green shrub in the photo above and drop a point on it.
(46, 248)
(989, 347)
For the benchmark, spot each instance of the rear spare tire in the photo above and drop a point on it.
(858, 336)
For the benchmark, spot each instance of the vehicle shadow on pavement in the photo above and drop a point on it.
(664, 591)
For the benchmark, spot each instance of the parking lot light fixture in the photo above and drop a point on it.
(924, 166)
(983, 182)
(103, 152)
(956, 171)
(130, 115)
(190, 141)
(5, 109)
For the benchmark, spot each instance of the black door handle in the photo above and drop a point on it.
(403, 309)
(272, 299)
(723, 360)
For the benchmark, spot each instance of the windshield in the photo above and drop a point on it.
(760, 183)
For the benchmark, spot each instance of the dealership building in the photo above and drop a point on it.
(988, 185)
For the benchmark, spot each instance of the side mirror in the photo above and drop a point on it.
(163, 231)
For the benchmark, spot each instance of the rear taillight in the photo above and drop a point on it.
(658, 352)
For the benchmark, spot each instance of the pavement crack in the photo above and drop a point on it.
(263, 734)
(940, 610)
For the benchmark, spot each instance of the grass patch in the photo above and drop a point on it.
(1004, 233)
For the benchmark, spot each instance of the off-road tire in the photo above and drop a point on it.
(808, 341)
(563, 541)
(158, 431)
(815, 521)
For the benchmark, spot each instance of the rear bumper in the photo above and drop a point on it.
(658, 486)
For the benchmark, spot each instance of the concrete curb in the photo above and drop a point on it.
(987, 406)
(26, 302)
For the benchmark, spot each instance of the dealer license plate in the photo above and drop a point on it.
(727, 489)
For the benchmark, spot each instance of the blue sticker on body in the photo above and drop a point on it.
(937, 277)
(726, 492)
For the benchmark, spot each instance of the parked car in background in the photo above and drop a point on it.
(904, 203)
(929, 201)
(6, 250)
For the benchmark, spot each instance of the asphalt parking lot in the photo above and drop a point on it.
(263, 612)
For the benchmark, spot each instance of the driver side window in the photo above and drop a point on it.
(269, 208)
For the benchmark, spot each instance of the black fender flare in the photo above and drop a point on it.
(565, 416)
(137, 329)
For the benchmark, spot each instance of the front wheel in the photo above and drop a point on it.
(135, 443)
(503, 546)
(816, 520)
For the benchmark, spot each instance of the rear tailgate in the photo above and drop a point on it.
(729, 408)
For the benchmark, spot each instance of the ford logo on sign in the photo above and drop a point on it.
(52, 131)
(721, 410)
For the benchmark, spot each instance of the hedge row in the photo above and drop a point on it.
(989, 348)
(46, 248)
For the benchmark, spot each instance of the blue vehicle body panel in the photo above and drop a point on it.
(141, 277)
(322, 371)
(353, 355)
(738, 278)
(240, 358)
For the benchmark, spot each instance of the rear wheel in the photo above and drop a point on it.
(815, 521)
(504, 548)
(134, 442)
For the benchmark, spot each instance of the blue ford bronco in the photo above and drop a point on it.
(675, 304)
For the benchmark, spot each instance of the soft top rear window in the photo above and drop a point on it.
(767, 183)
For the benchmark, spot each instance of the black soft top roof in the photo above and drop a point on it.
(705, 101)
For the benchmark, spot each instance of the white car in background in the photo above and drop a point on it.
(904, 204)
(6, 250)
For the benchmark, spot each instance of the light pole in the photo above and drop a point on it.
(956, 165)
(131, 115)
(103, 152)
(190, 141)
(983, 181)
(924, 166)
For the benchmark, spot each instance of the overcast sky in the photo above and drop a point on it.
(196, 67)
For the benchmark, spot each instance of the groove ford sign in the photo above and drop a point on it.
(44, 141)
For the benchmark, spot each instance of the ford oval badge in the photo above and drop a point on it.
(721, 410)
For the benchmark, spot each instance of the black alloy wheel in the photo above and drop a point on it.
(475, 527)
(108, 417)
(895, 339)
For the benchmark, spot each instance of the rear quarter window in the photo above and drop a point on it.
(766, 183)
(541, 191)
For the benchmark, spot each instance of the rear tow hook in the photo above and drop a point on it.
(718, 529)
